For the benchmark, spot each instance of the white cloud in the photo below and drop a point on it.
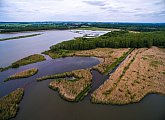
(83, 10)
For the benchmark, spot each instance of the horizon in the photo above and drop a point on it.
(117, 11)
(83, 22)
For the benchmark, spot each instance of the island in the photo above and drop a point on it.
(25, 61)
(72, 86)
(22, 74)
(9, 104)
(18, 37)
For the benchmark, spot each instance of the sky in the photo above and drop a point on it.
(82, 10)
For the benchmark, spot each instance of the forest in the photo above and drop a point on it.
(115, 39)
(141, 27)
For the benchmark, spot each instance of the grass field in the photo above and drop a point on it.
(97, 29)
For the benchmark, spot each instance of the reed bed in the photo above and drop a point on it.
(108, 55)
(134, 79)
(59, 53)
(63, 75)
(28, 60)
(71, 90)
(25, 61)
(9, 104)
(23, 74)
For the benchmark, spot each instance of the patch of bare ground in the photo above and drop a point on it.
(140, 74)
(73, 90)
(108, 55)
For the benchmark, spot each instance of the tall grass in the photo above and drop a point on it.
(23, 74)
(71, 90)
(25, 61)
(9, 104)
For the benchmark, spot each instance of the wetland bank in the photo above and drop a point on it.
(40, 102)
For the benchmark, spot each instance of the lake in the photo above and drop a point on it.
(41, 103)
(16, 49)
(13, 50)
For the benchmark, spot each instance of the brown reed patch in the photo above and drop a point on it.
(23, 74)
(73, 90)
(108, 55)
(135, 78)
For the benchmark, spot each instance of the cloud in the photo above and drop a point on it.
(83, 10)
(160, 2)
(96, 3)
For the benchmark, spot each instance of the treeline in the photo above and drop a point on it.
(33, 26)
(116, 39)
(5, 28)
(141, 27)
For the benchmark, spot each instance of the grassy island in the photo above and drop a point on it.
(9, 104)
(23, 74)
(71, 90)
(18, 37)
(25, 61)
(139, 75)
(59, 53)
(28, 60)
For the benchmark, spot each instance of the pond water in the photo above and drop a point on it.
(41, 103)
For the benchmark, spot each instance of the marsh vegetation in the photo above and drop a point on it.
(9, 104)
(127, 84)
(23, 74)
(110, 58)
(25, 61)
(18, 37)
(71, 90)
